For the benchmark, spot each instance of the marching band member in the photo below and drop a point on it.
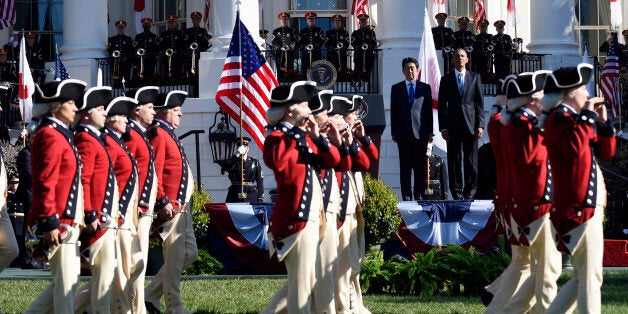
(174, 189)
(127, 240)
(101, 212)
(139, 145)
(56, 207)
(580, 193)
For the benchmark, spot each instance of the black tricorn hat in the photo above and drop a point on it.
(96, 96)
(356, 101)
(526, 84)
(121, 106)
(70, 89)
(172, 99)
(340, 105)
(568, 77)
(321, 101)
(144, 95)
(297, 92)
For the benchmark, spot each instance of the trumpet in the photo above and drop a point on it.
(284, 48)
(340, 45)
(116, 54)
(447, 49)
(365, 46)
(468, 49)
(309, 47)
(194, 47)
(116, 64)
(490, 47)
(141, 52)
(169, 52)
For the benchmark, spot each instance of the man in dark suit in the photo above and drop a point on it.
(411, 126)
(461, 120)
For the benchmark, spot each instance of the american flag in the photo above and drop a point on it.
(206, 14)
(610, 76)
(246, 83)
(7, 13)
(478, 13)
(359, 7)
(60, 72)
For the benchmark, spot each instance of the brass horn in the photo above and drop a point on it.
(116, 54)
(365, 46)
(340, 45)
(169, 52)
(194, 46)
(309, 47)
(140, 52)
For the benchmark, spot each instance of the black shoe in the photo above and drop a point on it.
(151, 308)
(486, 297)
(32, 263)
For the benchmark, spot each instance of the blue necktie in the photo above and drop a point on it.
(460, 84)
(411, 94)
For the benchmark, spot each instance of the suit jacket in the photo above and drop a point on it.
(411, 119)
(460, 113)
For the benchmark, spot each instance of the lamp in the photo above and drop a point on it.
(222, 138)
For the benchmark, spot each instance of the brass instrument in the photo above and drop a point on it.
(364, 47)
(428, 153)
(194, 47)
(468, 49)
(116, 64)
(339, 46)
(169, 52)
(141, 52)
(447, 49)
(309, 48)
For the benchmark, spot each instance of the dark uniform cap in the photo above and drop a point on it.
(336, 17)
(245, 141)
(196, 15)
(297, 92)
(3, 52)
(283, 15)
(121, 106)
(463, 19)
(568, 77)
(14, 179)
(29, 34)
(363, 16)
(172, 99)
(625, 32)
(96, 96)
(483, 23)
(499, 23)
(321, 101)
(339, 105)
(144, 95)
(147, 20)
(441, 16)
(120, 23)
(172, 17)
(526, 84)
(70, 89)
(310, 15)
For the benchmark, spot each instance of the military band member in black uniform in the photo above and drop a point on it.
(9, 114)
(253, 184)
(34, 57)
(310, 41)
(443, 40)
(623, 53)
(284, 41)
(463, 38)
(120, 49)
(482, 48)
(7, 70)
(149, 43)
(197, 41)
(502, 50)
(13, 46)
(337, 43)
(173, 48)
(364, 42)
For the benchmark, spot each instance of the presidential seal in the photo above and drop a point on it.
(323, 73)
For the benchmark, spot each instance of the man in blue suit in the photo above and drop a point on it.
(411, 126)
(461, 122)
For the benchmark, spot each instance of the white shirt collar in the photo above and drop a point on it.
(91, 127)
(530, 112)
(114, 132)
(139, 125)
(464, 72)
(571, 109)
(58, 122)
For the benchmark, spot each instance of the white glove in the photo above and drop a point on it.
(23, 133)
(241, 149)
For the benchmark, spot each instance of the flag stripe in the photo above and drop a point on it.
(245, 84)
(478, 13)
(610, 76)
(359, 7)
(7, 13)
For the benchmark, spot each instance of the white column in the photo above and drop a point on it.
(552, 32)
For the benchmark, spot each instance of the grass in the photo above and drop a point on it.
(250, 295)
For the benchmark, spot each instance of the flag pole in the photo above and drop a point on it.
(242, 196)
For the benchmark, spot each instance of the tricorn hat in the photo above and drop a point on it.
(339, 105)
(321, 101)
(144, 95)
(121, 106)
(171, 99)
(96, 96)
(297, 92)
(526, 84)
(568, 77)
(70, 89)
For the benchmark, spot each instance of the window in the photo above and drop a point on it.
(163, 8)
(592, 24)
(45, 17)
(309, 5)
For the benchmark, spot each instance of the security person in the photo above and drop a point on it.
(34, 57)
(481, 50)
(149, 42)
(248, 180)
(310, 41)
(502, 49)
(7, 71)
(196, 36)
(337, 42)
(284, 40)
(172, 45)
(463, 38)
(364, 42)
(120, 49)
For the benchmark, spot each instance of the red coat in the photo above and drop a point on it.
(142, 151)
(359, 159)
(531, 187)
(293, 157)
(55, 175)
(370, 149)
(568, 138)
(126, 172)
(171, 164)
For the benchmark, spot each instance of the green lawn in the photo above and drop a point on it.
(214, 295)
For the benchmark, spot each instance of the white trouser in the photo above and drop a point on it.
(96, 293)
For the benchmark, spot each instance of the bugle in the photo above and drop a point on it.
(194, 47)
(169, 52)
(116, 64)
(141, 52)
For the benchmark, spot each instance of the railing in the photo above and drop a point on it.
(598, 66)
(357, 75)
(521, 62)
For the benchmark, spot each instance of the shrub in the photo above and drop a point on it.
(381, 216)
